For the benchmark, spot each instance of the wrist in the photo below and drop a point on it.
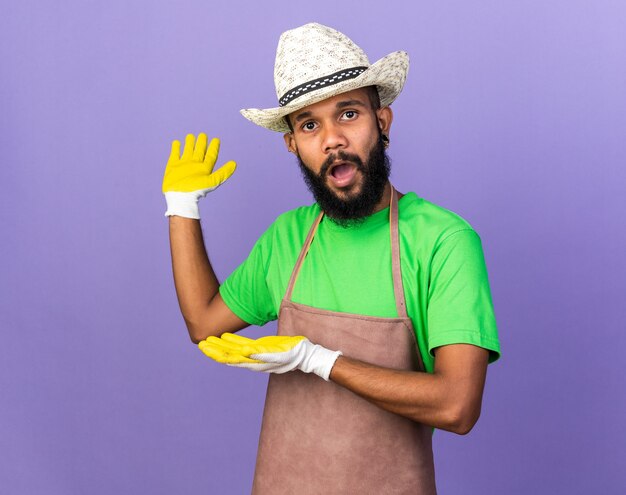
(182, 204)
(322, 361)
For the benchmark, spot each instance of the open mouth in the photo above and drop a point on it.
(342, 174)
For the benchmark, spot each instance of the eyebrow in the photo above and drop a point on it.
(302, 116)
(339, 105)
(350, 103)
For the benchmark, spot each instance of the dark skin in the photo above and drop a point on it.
(449, 398)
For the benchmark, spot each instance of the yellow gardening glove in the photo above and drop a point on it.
(223, 352)
(190, 177)
(271, 354)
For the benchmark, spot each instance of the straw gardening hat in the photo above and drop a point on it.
(315, 62)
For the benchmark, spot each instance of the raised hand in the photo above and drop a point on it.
(190, 177)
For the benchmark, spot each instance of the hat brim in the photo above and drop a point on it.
(388, 74)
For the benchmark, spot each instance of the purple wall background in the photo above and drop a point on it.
(513, 115)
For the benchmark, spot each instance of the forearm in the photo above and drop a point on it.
(423, 397)
(194, 278)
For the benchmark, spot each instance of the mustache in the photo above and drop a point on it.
(340, 156)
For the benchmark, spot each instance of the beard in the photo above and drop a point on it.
(354, 209)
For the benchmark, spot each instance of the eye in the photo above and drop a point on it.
(308, 126)
(350, 114)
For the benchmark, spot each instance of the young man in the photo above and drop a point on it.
(385, 319)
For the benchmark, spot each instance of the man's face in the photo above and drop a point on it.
(341, 154)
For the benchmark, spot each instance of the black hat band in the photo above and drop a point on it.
(322, 82)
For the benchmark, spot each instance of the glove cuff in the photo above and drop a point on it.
(183, 204)
(324, 361)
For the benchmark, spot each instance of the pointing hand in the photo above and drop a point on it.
(271, 354)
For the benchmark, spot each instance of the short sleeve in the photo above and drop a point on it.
(460, 308)
(245, 291)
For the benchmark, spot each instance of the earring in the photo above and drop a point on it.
(385, 140)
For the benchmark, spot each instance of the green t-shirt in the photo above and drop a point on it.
(349, 270)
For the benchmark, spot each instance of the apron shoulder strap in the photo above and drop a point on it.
(398, 288)
(303, 252)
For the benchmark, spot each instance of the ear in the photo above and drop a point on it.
(290, 142)
(385, 117)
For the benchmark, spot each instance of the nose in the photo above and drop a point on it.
(333, 138)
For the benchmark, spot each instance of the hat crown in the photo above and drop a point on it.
(311, 52)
